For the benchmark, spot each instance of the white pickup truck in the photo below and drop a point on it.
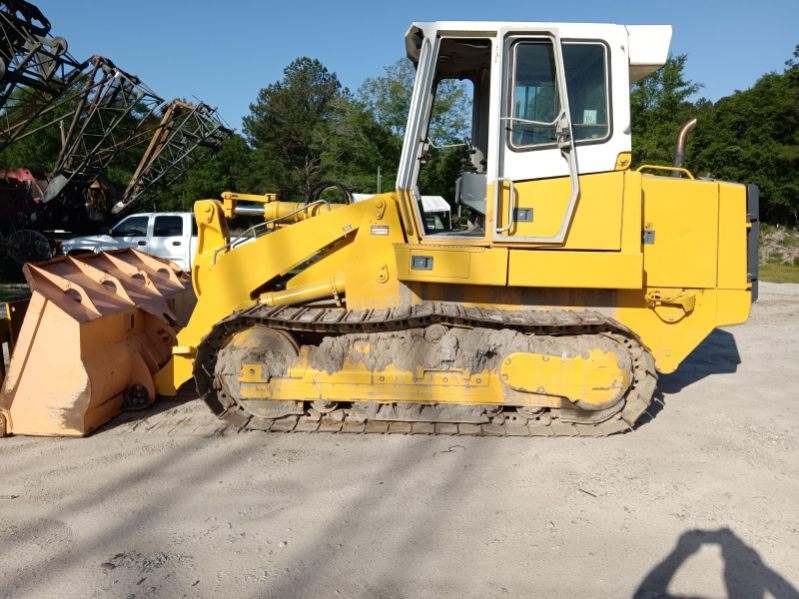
(170, 235)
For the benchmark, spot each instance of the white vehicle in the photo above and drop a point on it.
(170, 235)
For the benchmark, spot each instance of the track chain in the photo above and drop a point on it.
(337, 321)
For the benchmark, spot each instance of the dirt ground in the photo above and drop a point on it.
(701, 501)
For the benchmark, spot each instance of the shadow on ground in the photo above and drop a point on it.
(745, 573)
(717, 354)
(149, 417)
(127, 416)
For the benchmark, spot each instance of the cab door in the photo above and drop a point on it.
(557, 184)
(131, 232)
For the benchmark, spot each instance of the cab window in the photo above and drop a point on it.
(587, 82)
(535, 92)
(135, 226)
(168, 226)
(452, 175)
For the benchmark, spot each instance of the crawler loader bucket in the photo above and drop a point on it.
(96, 330)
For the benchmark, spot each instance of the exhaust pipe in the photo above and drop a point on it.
(679, 152)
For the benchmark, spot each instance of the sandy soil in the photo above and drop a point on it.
(702, 500)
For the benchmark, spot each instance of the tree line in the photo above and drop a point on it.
(307, 128)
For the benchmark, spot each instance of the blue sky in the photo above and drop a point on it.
(224, 52)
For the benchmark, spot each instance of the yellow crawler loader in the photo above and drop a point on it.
(548, 307)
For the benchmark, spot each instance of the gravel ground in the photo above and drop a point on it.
(701, 501)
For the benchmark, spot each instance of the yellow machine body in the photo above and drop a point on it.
(574, 280)
(671, 279)
(11, 316)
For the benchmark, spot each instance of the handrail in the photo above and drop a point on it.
(671, 169)
(511, 201)
(252, 232)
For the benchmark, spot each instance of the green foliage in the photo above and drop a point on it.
(659, 106)
(290, 125)
(307, 128)
(230, 169)
(438, 175)
(359, 145)
(40, 144)
(388, 98)
(39, 150)
(752, 136)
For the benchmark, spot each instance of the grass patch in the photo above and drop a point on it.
(779, 254)
(779, 273)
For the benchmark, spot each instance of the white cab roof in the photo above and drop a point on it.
(648, 48)
(647, 45)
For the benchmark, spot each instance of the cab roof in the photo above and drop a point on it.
(647, 45)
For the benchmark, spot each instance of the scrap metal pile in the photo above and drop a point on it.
(101, 113)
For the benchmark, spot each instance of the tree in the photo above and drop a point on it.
(39, 149)
(289, 126)
(388, 98)
(752, 136)
(358, 146)
(659, 105)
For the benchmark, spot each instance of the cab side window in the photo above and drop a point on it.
(168, 226)
(587, 82)
(535, 92)
(135, 226)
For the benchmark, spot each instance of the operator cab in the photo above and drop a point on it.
(535, 97)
